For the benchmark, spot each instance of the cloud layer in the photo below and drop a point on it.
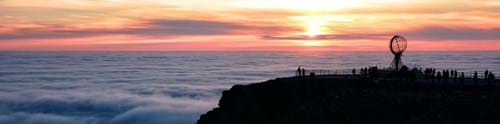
(56, 104)
(149, 29)
(107, 104)
(166, 87)
(117, 88)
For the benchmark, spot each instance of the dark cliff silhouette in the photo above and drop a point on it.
(303, 100)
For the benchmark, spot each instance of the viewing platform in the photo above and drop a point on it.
(415, 76)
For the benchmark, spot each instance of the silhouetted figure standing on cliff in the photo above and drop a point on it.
(452, 75)
(486, 74)
(491, 76)
(433, 74)
(312, 75)
(475, 77)
(365, 70)
(462, 76)
(298, 73)
(456, 74)
(432, 78)
(372, 72)
(428, 73)
(446, 75)
(438, 77)
(353, 71)
(303, 72)
(413, 73)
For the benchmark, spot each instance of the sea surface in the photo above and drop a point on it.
(168, 87)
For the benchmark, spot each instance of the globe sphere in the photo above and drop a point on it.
(398, 44)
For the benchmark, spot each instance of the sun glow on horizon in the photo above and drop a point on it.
(312, 43)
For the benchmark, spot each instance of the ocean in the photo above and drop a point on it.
(168, 87)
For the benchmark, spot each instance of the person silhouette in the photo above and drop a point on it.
(438, 76)
(456, 74)
(453, 73)
(428, 73)
(486, 74)
(365, 71)
(303, 72)
(298, 73)
(445, 75)
(432, 72)
(462, 76)
(353, 71)
(475, 76)
(491, 76)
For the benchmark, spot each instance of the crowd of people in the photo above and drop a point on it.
(301, 72)
(444, 75)
(428, 74)
(367, 71)
(487, 75)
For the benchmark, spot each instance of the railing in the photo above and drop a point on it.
(320, 72)
(332, 73)
(329, 72)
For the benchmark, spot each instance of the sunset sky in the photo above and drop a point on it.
(241, 25)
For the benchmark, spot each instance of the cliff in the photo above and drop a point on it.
(355, 101)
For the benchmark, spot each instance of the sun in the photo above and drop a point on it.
(315, 25)
(313, 29)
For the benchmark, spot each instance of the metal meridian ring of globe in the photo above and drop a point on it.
(398, 44)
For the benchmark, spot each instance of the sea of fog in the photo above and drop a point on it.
(167, 87)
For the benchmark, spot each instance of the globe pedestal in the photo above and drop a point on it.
(396, 63)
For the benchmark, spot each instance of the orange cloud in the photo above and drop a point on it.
(247, 24)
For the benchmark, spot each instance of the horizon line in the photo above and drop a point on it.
(244, 51)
